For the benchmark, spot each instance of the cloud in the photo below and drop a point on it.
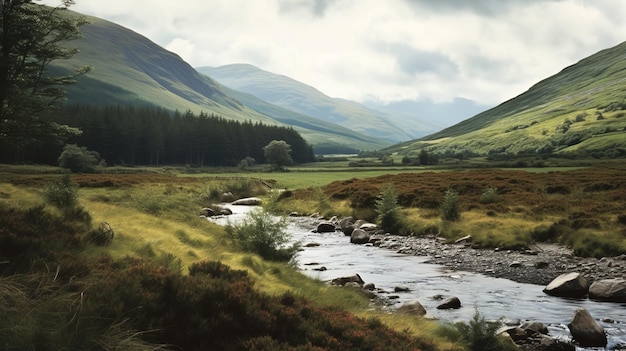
(484, 50)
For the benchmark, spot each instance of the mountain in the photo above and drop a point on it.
(578, 110)
(128, 68)
(393, 126)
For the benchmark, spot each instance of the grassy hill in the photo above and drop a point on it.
(579, 110)
(296, 96)
(130, 69)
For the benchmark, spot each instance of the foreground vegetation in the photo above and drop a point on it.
(167, 280)
(66, 284)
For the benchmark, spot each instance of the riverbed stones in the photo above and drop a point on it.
(568, 285)
(325, 227)
(359, 236)
(248, 201)
(450, 304)
(608, 290)
(412, 308)
(344, 280)
(586, 331)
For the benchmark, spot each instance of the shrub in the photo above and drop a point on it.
(388, 214)
(78, 159)
(489, 195)
(61, 193)
(263, 234)
(478, 335)
(449, 207)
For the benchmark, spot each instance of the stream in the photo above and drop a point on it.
(493, 298)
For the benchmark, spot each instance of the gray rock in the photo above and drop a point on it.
(228, 197)
(359, 236)
(344, 280)
(450, 303)
(207, 212)
(248, 201)
(568, 285)
(536, 326)
(412, 308)
(369, 286)
(226, 212)
(401, 289)
(586, 331)
(608, 290)
(326, 227)
(463, 240)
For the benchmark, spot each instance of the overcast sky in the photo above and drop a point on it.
(484, 50)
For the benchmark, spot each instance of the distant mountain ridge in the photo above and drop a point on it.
(130, 69)
(296, 96)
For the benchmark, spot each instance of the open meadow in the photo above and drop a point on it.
(58, 265)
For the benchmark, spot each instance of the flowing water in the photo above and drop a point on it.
(493, 298)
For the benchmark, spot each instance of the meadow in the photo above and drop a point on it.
(164, 257)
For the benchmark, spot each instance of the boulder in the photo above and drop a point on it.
(228, 197)
(207, 212)
(568, 285)
(450, 303)
(412, 308)
(248, 201)
(536, 326)
(586, 331)
(325, 227)
(344, 280)
(345, 223)
(358, 223)
(347, 230)
(359, 236)
(608, 290)
(401, 288)
(226, 211)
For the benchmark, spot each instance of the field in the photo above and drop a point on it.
(159, 237)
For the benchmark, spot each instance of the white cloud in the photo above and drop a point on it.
(383, 50)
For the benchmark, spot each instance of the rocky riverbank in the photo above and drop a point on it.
(538, 265)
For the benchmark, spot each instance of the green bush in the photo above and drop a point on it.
(478, 335)
(388, 214)
(79, 159)
(263, 234)
(449, 207)
(61, 193)
(489, 195)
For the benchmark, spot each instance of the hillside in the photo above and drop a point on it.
(578, 110)
(130, 69)
(296, 96)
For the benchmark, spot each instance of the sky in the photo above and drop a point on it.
(487, 51)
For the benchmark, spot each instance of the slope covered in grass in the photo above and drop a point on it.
(560, 114)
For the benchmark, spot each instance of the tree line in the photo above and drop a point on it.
(130, 135)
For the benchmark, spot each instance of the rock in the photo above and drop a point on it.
(326, 227)
(450, 303)
(401, 289)
(542, 265)
(321, 269)
(207, 212)
(536, 326)
(226, 212)
(586, 331)
(312, 244)
(568, 285)
(412, 308)
(608, 290)
(358, 223)
(353, 285)
(348, 230)
(369, 286)
(228, 197)
(359, 236)
(343, 280)
(345, 222)
(515, 264)
(248, 201)
(464, 240)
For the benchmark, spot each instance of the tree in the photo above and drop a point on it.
(79, 159)
(278, 153)
(31, 37)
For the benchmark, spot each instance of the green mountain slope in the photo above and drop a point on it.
(580, 109)
(296, 96)
(130, 69)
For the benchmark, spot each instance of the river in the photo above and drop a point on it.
(493, 298)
